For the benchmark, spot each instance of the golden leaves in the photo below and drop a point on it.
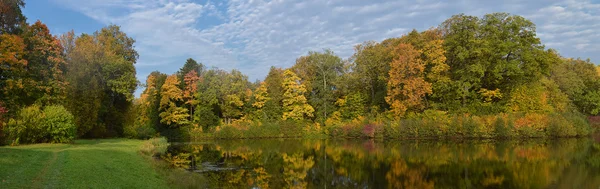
(406, 85)
(294, 101)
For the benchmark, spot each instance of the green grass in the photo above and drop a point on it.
(107, 163)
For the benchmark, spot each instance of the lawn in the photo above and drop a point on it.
(106, 163)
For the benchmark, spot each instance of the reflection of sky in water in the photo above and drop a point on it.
(567, 163)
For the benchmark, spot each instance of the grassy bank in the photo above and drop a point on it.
(107, 163)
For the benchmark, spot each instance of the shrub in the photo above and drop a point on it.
(32, 125)
(561, 127)
(501, 128)
(59, 125)
(27, 127)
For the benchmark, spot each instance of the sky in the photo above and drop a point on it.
(254, 35)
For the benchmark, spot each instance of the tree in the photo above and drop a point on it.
(294, 102)
(207, 96)
(171, 114)
(101, 76)
(319, 73)
(191, 86)
(11, 17)
(351, 106)
(406, 86)
(12, 69)
(371, 65)
(233, 95)
(498, 51)
(579, 80)
(46, 65)
(273, 106)
(260, 98)
(189, 66)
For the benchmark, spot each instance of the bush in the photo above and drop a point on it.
(27, 127)
(32, 125)
(561, 127)
(501, 128)
(59, 124)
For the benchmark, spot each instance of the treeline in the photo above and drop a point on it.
(57, 88)
(468, 77)
(447, 77)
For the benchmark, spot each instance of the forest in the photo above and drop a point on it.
(469, 77)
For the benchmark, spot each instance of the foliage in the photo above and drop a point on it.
(12, 16)
(101, 77)
(406, 85)
(171, 114)
(320, 73)
(294, 102)
(34, 125)
(59, 124)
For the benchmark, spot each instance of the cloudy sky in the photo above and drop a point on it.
(253, 35)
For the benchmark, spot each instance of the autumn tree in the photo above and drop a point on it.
(171, 114)
(260, 98)
(11, 16)
(406, 86)
(189, 66)
(46, 65)
(294, 102)
(191, 86)
(12, 69)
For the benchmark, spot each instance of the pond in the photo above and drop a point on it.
(302, 163)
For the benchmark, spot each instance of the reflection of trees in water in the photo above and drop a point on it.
(295, 168)
(402, 176)
(402, 164)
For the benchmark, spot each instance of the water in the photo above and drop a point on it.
(298, 163)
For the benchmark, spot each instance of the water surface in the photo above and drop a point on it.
(299, 163)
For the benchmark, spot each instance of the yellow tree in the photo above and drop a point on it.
(406, 84)
(171, 114)
(261, 96)
(294, 101)
(146, 100)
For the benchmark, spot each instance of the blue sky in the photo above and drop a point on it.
(253, 35)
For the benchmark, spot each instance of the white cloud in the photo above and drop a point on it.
(254, 35)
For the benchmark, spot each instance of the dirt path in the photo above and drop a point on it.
(38, 181)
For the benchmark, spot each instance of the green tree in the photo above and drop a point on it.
(233, 95)
(207, 96)
(101, 76)
(320, 73)
(579, 79)
(273, 106)
(495, 52)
